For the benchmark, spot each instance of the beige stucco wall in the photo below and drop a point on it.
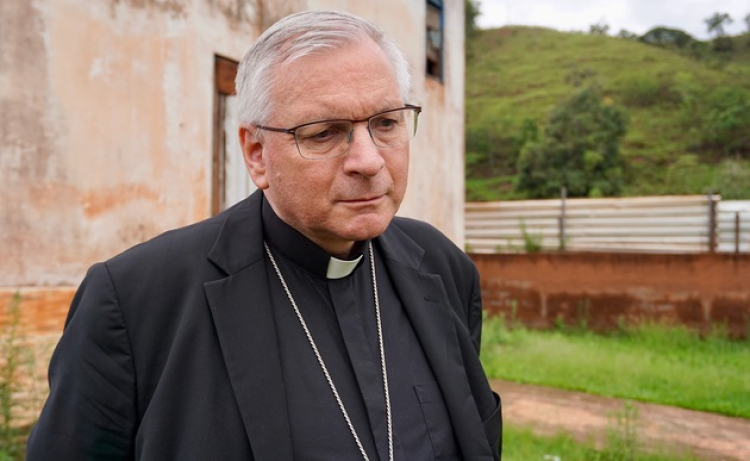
(106, 115)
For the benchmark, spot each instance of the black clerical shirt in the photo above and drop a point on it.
(340, 315)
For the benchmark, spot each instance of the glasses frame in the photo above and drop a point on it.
(293, 130)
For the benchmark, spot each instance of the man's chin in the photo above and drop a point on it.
(366, 229)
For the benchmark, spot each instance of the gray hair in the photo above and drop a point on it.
(299, 35)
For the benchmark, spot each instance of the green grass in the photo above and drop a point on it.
(666, 365)
(522, 444)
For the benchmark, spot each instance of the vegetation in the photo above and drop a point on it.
(12, 438)
(471, 13)
(521, 444)
(716, 23)
(666, 365)
(658, 114)
(579, 150)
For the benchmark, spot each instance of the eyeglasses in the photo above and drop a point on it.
(332, 138)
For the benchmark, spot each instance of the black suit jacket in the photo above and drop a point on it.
(169, 350)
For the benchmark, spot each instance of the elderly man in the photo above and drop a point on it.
(306, 322)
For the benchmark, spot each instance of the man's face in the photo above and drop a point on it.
(336, 201)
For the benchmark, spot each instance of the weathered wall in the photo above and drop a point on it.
(106, 112)
(436, 193)
(105, 127)
(604, 289)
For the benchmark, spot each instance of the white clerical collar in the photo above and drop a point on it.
(339, 268)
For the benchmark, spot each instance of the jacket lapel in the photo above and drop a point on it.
(243, 316)
(425, 301)
(241, 308)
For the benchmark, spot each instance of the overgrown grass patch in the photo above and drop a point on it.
(659, 364)
(12, 358)
(522, 444)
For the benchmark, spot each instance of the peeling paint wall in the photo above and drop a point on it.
(106, 119)
(105, 127)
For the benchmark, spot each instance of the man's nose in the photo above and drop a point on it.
(364, 157)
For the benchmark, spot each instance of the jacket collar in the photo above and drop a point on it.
(237, 245)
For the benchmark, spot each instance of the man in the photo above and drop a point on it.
(304, 323)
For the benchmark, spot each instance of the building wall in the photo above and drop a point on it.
(106, 136)
(107, 115)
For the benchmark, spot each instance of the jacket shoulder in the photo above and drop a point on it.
(172, 247)
(439, 249)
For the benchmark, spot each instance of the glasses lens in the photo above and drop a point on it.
(328, 139)
(325, 139)
(394, 128)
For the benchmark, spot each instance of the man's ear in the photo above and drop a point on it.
(254, 155)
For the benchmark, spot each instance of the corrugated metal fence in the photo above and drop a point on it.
(666, 224)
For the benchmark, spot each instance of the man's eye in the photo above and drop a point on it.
(321, 134)
(384, 123)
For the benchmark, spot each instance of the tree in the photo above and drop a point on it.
(664, 36)
(598, 29)
(716, 23)
(471, 13)
(747, 22)
(580, 150)
(627, 35)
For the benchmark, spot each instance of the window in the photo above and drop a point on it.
(435, 38)
(230, 181)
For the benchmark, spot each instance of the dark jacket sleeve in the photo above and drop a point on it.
(475, 311)
(493, 424)
(90, 413)
(492, 421)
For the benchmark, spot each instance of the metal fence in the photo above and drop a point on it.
(733, 221)
(666, 224)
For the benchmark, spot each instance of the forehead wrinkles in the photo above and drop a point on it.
(335, 85)
(314, 42)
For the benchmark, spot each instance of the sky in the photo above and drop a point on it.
(638, 16)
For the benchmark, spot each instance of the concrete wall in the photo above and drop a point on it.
(106, 116)
(605, 289)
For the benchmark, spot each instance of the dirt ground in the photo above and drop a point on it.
(585, 417)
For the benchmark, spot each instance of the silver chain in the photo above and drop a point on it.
(323, 365)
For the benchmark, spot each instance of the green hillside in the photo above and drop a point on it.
(687, 118)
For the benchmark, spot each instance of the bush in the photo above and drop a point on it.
(492, 149)
(717, 119)
(579, 150)
(733, 179)
(726, 120)
(688, 175)
(646, 91)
